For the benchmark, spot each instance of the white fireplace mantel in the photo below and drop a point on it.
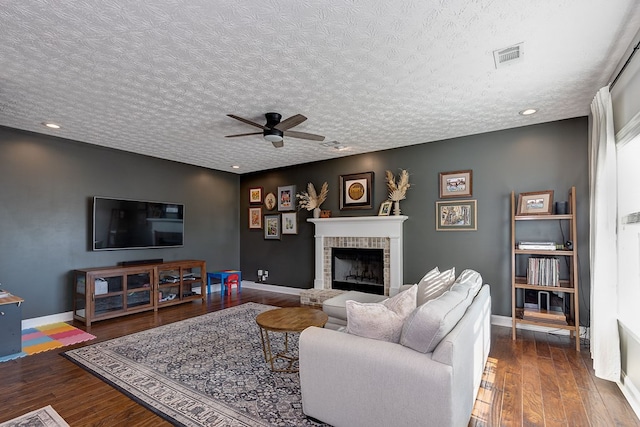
(362, 226)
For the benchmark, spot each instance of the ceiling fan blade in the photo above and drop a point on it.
(243, 134)
(278, 144)
(303, 135)
(290, 122)
(249, 122)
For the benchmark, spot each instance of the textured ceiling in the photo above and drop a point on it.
(158, 78)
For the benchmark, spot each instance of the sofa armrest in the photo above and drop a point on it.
(347, 380)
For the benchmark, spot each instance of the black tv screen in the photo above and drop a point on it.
(136, 224)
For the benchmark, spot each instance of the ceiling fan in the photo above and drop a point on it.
(275, 130)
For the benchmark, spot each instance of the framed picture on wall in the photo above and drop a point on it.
(535, 203)
(270, 201)
(460, 215)
(255, 218)
(287, 198)
(456, 184)
(290, 223)
(255, 195)
(272, 227)
(356, 191)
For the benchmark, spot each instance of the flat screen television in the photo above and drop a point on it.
(136, 224)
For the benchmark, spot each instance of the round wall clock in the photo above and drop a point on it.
(270, 201)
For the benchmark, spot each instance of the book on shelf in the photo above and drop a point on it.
(537, 246)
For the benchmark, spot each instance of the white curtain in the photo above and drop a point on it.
(605, 343)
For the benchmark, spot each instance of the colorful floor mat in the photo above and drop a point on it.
(47, 337)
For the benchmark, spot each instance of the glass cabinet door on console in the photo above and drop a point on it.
(108, 295)
(139, 290)
(168, 285)
(103, 293)
(181, 281)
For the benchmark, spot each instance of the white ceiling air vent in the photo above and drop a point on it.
(508, 55)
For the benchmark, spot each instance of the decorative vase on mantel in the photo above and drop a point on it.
(396, 207)
(316, 212)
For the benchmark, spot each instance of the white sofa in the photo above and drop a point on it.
(349, 380)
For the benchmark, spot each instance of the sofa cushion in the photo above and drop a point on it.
(429, 323)
(433, 284)
(469, 283)
(381, 321)
(335, 307)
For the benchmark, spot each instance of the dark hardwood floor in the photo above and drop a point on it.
(538, 380)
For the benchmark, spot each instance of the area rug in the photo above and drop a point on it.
(47, 337)
(204, 371)
(43, 417)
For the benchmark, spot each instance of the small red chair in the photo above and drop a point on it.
(232, 280)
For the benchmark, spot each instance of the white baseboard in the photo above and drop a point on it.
(271, 288)
(506, 321)
(631, 393)
(47, 320)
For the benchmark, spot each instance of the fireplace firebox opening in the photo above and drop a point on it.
(358, 269)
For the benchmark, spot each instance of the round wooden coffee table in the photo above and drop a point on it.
(286, 320)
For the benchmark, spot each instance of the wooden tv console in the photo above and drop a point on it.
(106, 292)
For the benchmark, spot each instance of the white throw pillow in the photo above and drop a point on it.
(433, 285)
(431, 322)
(381, 321)
(469, 283)
(430, 274)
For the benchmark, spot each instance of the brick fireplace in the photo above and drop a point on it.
(369, 232)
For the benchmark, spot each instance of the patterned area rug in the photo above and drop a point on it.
(204, 371)
(47, 337)
(43, 417)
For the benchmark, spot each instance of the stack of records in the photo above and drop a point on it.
(543, 272)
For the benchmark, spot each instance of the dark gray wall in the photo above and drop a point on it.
(46, 186)
(540, 157)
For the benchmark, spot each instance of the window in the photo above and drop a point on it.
(629, 234)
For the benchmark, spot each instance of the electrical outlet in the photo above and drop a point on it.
(259, 273)
(266, 273)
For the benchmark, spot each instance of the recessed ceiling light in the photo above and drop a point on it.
(52, 125)
(528, 112)
(235, 167)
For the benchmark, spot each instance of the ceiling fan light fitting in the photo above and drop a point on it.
(274, 131)
(272, 137)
